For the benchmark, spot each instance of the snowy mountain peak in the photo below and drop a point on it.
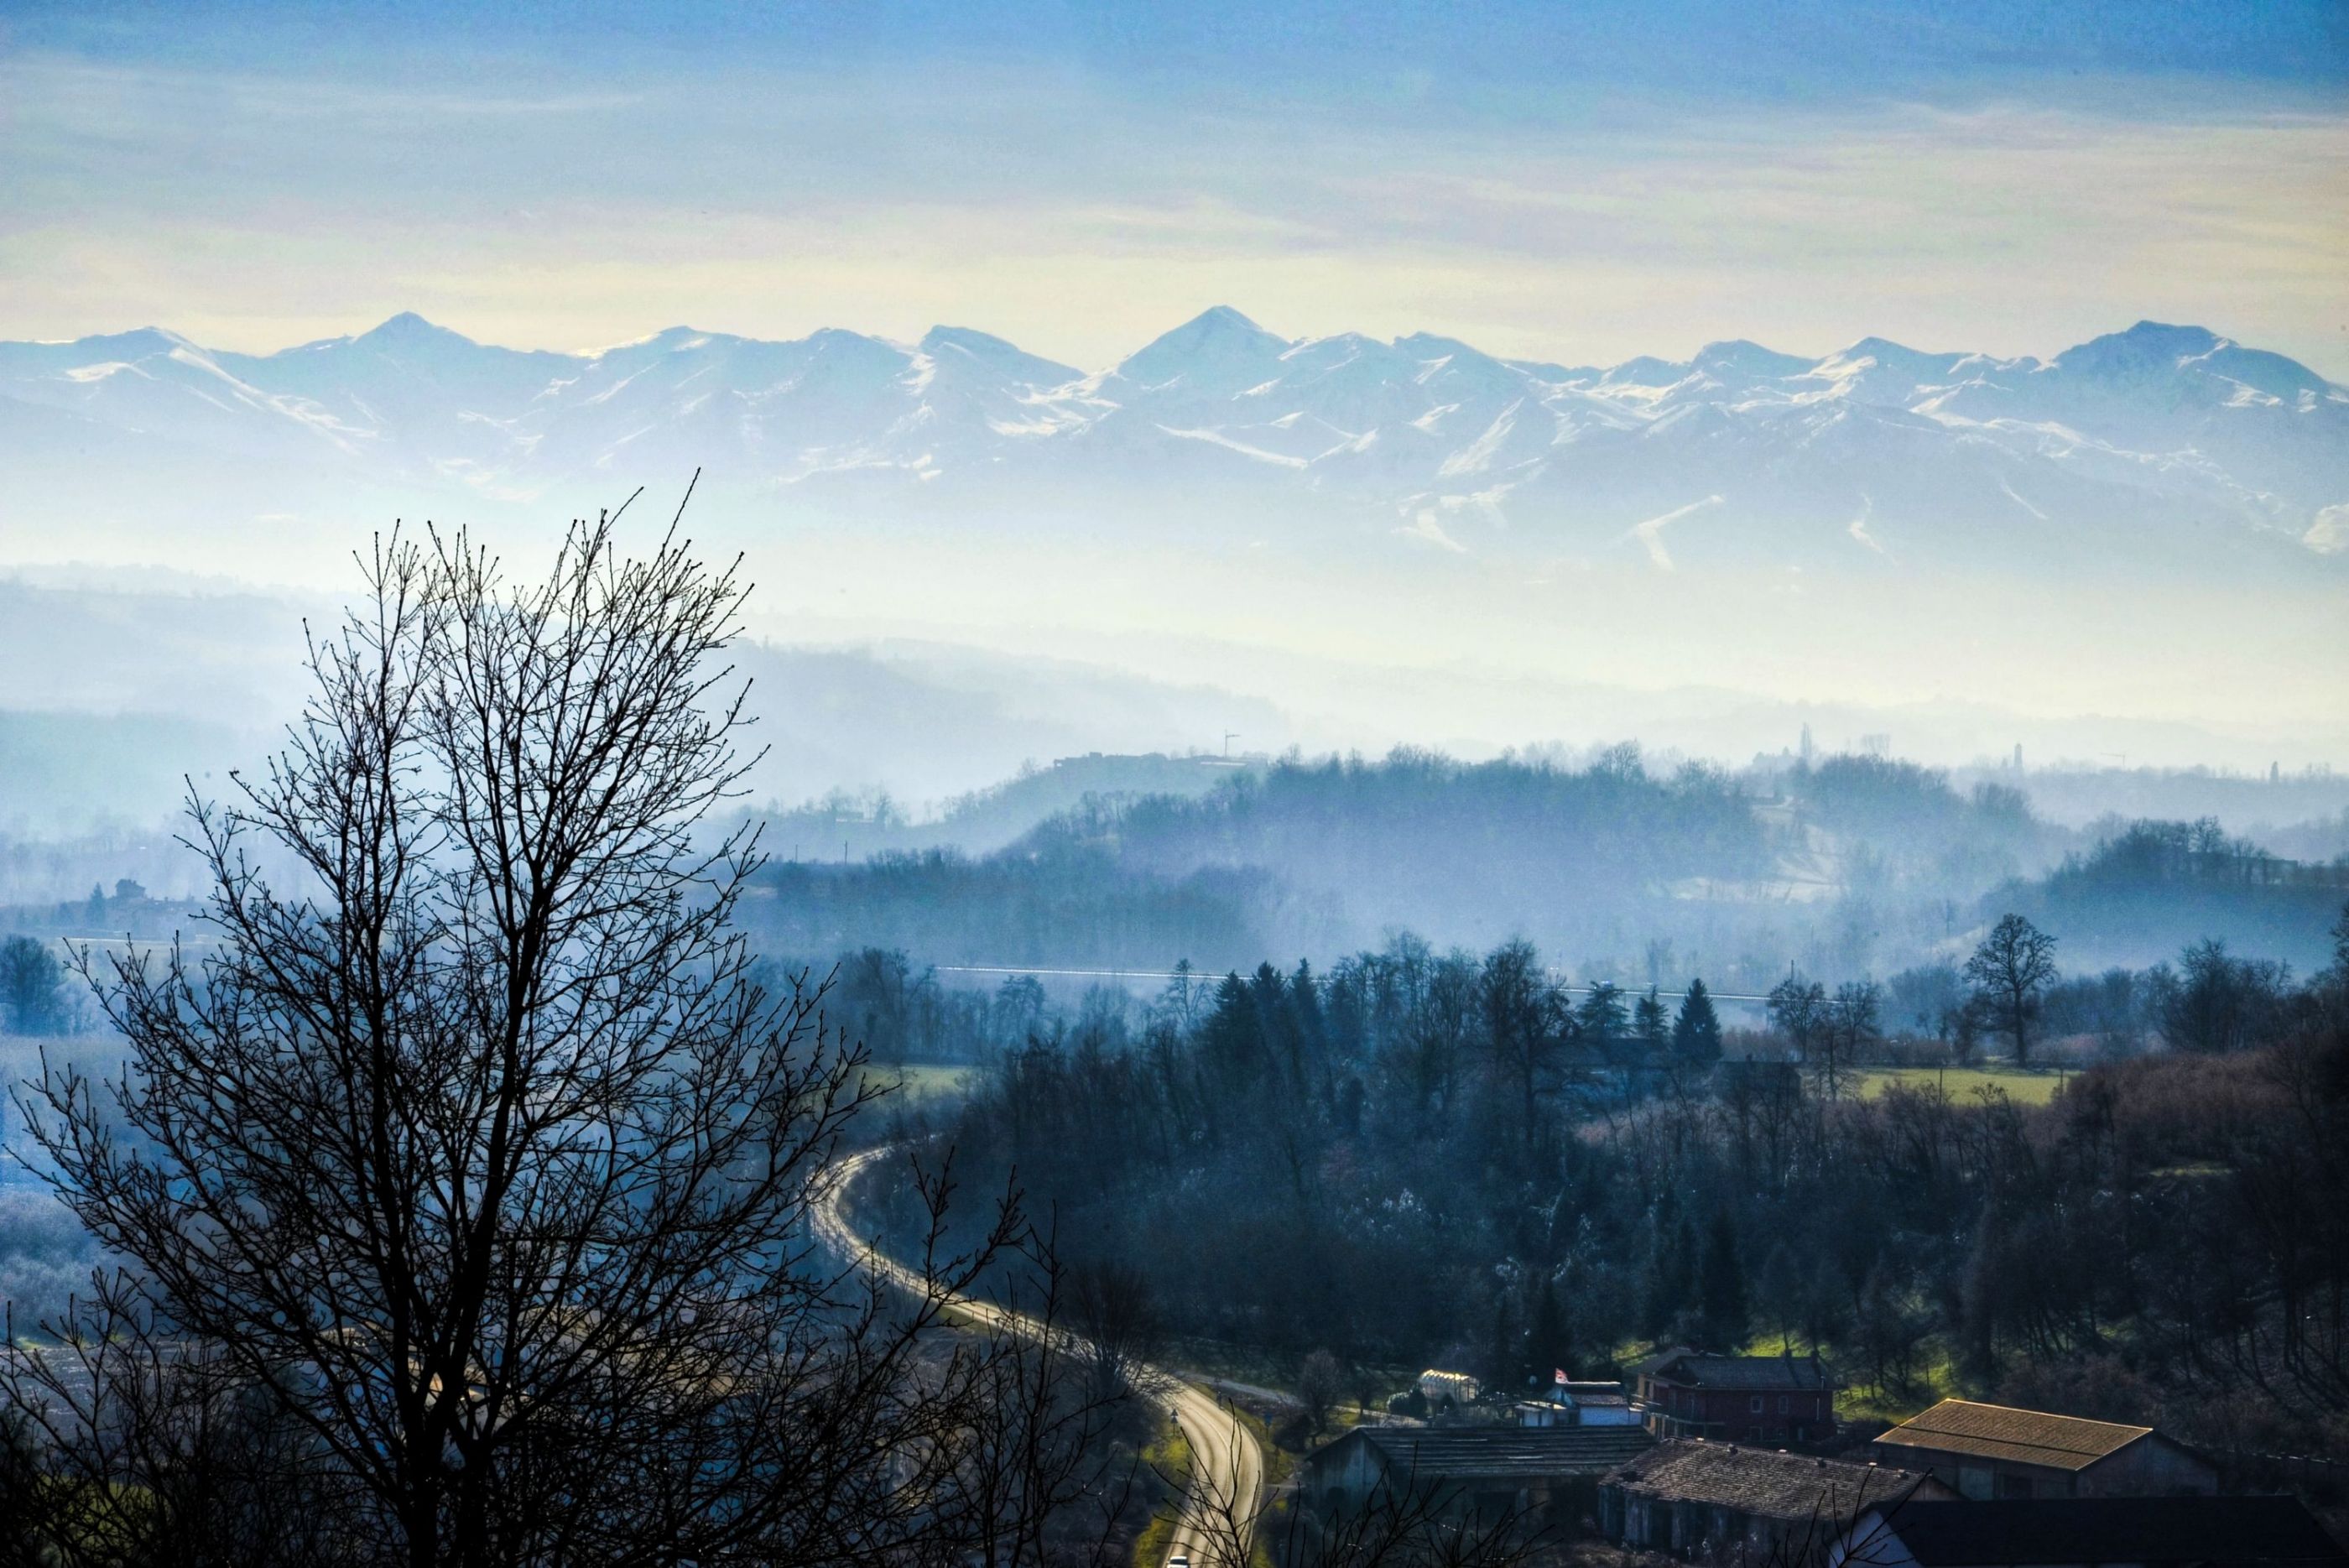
(1215, 351)
(985, 351)
(139, 343)
(408, 327)
(1222, 318)
(2160, 425)
(1742, 358)
(967, 340)
(1884, 354)
(2147, 345)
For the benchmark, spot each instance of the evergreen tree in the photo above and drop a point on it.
(1506, 1355)
(1648, 1020)
(1722, 1288)
(1696, 1032)
(1231, 1040)
(1309, 1030)
(1602, 1015)
(32, 987)
(97, 907)
(1180, 998)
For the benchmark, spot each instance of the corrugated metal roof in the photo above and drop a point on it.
(2019, 1437)
(1435, 1453)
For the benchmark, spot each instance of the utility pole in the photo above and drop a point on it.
(1230, 736)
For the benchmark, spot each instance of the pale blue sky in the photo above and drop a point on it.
(1568, 182)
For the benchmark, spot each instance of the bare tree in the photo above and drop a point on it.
(1024, 1473)
(477, 1154)
(1852, 1024)
(125, 1446)
(1111, 1305)
(1321, 1388)
(1799, 1009)
(2013, 965)
(1522, 1010)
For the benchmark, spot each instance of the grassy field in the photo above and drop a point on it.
(918, 1080)
(2029, 1087)
(1935, 1379)
(1170, 1458)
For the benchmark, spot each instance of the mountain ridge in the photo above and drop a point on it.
(2158, 430)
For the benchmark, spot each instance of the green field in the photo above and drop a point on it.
(1168, 1458)
(2029, 1087)
(918, 1080)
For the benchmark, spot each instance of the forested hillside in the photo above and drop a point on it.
(1853, 866)
(1408, 1160)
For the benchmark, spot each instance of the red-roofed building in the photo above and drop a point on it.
(1766, 1399)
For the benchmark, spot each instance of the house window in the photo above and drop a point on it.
(1753, 1406)
(1783, 1404)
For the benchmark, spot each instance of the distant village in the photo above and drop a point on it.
(1747, 1460)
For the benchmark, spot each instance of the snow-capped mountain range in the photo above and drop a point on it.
(1872, 453)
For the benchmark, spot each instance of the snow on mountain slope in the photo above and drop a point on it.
(1872, 456)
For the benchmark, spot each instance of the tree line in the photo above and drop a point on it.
(1415, 1157)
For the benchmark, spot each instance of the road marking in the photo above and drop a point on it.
(1228, 1463)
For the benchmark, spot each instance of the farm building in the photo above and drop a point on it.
(1496, 1471)
(1999, 1451)
(1575, 1404)
(1696, 1499)
(1762, 1399)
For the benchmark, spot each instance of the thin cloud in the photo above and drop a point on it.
(1080, 221)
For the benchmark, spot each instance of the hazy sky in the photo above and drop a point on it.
(1575, 184)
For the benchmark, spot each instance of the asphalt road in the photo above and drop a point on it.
(1218, 1523)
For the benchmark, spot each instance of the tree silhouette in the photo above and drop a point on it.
(1696, 1031)
(478, 1157)
(2013, 965)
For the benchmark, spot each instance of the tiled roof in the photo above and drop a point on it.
(1738, 1373)
(1435, 1453)
(1773, 1485)
(2019, 1437)
(2206, 1530)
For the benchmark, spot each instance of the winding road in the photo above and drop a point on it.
(1217, 1524)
